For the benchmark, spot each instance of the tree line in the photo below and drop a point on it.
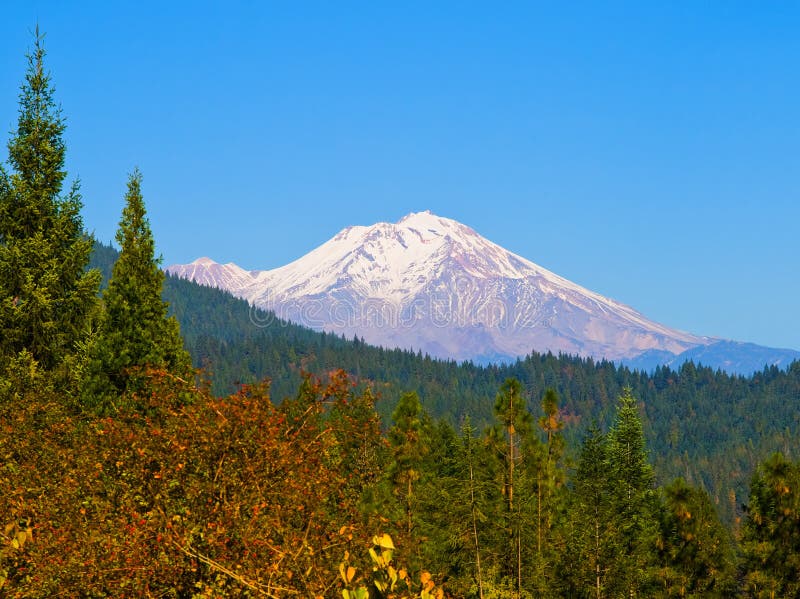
(704, 425)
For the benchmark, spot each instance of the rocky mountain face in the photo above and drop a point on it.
(433, 284)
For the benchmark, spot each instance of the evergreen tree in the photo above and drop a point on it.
(135, 331)
(476, 490)
(593, 545)
(549, 493)
(696, 551)
(443, 507)
(633, 497)
(520, 453)
(409, 447)
(771, 534)
(47, 297)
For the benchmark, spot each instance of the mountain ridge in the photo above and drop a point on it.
(434, 284)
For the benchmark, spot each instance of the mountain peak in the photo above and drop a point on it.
(432, 283)
(428, 221)
(424, 216)
(204, 261)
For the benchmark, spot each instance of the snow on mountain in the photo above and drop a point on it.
(434, 284)
(205, 271)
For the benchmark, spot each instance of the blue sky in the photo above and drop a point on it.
(649, 151)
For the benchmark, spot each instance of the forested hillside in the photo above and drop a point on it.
(707, 426)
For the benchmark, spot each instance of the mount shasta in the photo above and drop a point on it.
(432, 284)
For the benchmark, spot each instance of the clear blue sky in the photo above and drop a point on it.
(649, 151)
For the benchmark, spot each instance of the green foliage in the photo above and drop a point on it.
(771, 533)
(614, 511)
(593, 544)
(707, 426)
(135, 331)
(632, 497)
(409, 446)
(47, 298)
(696, 552)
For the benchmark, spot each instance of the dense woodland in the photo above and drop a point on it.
(706, 426)
(299, 464)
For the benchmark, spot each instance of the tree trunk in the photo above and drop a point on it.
(475, 529)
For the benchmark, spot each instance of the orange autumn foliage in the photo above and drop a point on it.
(186, 494)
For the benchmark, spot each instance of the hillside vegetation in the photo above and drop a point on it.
(707, 426)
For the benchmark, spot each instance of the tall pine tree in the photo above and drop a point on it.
(594, 544)
(47, 297)
(633, 497)
(771, 533)
(697, 557)
(520, 453)
(409, 446)
(135, 331)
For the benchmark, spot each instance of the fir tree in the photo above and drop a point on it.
(771, 534)
(520, 454)
(593, 542)
(409, 447)
(633, 497)
(135, 331)
(696, 551)
(47, 297)
(550, 478)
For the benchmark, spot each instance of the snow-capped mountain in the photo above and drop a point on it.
(433, 284)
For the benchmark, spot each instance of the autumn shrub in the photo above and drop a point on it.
(232, 496)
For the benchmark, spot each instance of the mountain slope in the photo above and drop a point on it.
(433, 284)
(702, 424)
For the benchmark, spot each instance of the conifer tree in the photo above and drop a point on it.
(135, 331)
(771, 533)
(47, 297)
(633, 495)
(477, 491)
(593, 543)
(409, 447)
(550, 477)
(520, 453)
(696, 551)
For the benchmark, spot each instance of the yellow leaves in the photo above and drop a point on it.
(388, 580)
(383, 541)
(346, 572)
(392, 575)
(20, 533)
